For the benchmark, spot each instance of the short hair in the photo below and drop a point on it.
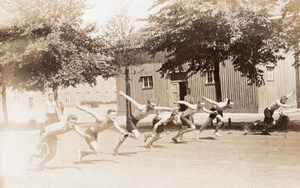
(110, 111)
(199, 105)
(284, 98)
(73, 117)
(50, 94)
(151, 100)
(174, 112)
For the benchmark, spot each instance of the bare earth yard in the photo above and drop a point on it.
(233, 160)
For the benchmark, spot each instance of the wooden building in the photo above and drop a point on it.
(147, 83)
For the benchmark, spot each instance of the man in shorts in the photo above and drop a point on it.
(219, 107)
(269, 111)
(141, 112)
(102, 123)
(49, 136)
(187, 118)
(158, 122)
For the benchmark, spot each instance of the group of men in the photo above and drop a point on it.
(48, 137)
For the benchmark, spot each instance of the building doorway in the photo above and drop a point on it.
(178, 91)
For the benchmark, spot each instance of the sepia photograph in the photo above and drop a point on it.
(150, 93)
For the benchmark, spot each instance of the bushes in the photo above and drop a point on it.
(95, 104)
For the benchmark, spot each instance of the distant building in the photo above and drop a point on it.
(147, 83)
(104, 92)
(25, 106)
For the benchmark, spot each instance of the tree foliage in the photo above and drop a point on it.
(291, 33)
(60, 51)
(204, 34)
(121, 43)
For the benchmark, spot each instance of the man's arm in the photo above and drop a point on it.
(210, 101)
(185, 103)
(77, 130)
(89, 111)
(283, 105)
(138, 105)
(209, 111)
(163, 108)
(290, 94)
(122, 131)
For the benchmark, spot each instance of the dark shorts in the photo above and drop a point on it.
(268, 116)
(213, 116)
(93, 136)
(131, 123)
(160, 128)
(186, 120)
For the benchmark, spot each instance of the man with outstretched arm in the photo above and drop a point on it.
(49, 137)
(158, 123)
(219, 107)
(186, 118)
(269, 111)
(141, 111)
(102, 123)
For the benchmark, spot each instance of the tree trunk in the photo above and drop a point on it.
(127, 88)
(217, 82)
(54, 89)
(4, 102)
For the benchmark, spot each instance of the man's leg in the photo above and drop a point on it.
(191, 128)
(146, 136)
(122, 138)
(93, 149)
(134, 134)
(204, 125)
(51, 154)
(268, 122)
(154, 139)
(219, 124)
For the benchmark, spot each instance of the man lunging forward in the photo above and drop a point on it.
(158, 122)
(219, 107)
(102, 123)
(49, 136)
(141, 112)
(268, 112)
(187, 118)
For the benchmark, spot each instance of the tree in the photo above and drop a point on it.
(292, 27)
(121, 48)
(59, 51)
(205, 34)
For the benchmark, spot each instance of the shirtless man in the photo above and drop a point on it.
(268, 112)
(141, 112)
(158, 122)
(49, 136)
(186, 118)
(219, 107)
(102, 123)
(213, 113)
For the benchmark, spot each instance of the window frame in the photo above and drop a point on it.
(146, 79)
(270, 71)
(207, 82)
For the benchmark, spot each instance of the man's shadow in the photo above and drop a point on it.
(94, 161)
(207, 138)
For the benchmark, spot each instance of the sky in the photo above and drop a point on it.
(101, 11)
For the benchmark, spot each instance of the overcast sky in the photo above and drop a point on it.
(100, 11)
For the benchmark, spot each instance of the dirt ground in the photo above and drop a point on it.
(232, 160)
